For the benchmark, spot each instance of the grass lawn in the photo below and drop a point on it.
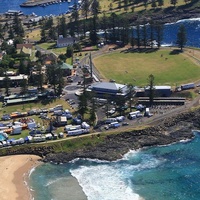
(105, 6)
(135, 68)
(34, 35)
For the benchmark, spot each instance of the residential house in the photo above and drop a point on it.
(64, 42)
(25, 48)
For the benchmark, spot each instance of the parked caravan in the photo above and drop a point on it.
(114, 125)
(188, 86)
(12, 142)
(16, 129)
(85, 125)
(58, 112)
(133, 114)
(20, 141)
(77, 132)
(28, 139)
(131, 117)
(120, 118)
(48, 136)
(58, 107)
(77, 121)
(4, 143)
(61, 135)
(39, 139)
(55, 136)
(110, 120)
(72, 127)
(31, 125)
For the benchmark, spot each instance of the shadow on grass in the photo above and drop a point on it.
(53, 46)
(139, 50)
(47, 101)
(175, 52)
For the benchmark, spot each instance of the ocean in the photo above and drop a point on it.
(169, 172)
(170, 30)
(158, 173)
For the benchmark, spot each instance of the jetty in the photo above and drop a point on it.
(43, 3)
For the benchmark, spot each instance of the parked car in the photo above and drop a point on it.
(125, 124)
(5, 117)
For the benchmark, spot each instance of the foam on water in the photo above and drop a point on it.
(103, 182)
(108, 180)
(52, 182)
(31, 171)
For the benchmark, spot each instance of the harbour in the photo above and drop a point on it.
(43, 3)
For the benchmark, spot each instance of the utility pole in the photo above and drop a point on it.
(91, 72)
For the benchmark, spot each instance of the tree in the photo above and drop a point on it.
(6, 84)
(62, 27)
(130, 92)
(160, 3)
(24, 86)
(126, 5)
(113, 21)
(174, 2)
(153, 4)
(151, 89)
(104, 26)
(145, 4)
(93, 109)
(43, 35)
(138, 35)
(18, 40)
(82, 106)
(40, 76)
(151, 33)
(159, 33)
(52, 75)
(75, 18)
(17, 26)
(181, 37)
(144, 31)
(69, 52)
(85, 11)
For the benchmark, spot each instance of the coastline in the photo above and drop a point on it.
(14, 170)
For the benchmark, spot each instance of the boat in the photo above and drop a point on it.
(14, 12)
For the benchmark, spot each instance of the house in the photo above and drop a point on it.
(66, 68)
(25, 48)
(64, 42)
(49, 59)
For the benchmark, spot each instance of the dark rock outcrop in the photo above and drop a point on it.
(169, 131)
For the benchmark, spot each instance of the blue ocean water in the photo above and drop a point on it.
(192, 27)
(169, 172)
(170, 30)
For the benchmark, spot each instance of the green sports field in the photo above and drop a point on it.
(167, 68)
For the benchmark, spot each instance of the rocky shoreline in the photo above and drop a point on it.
(168, 15)
(171, 130)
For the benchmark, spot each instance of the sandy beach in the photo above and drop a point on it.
(14, 170)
